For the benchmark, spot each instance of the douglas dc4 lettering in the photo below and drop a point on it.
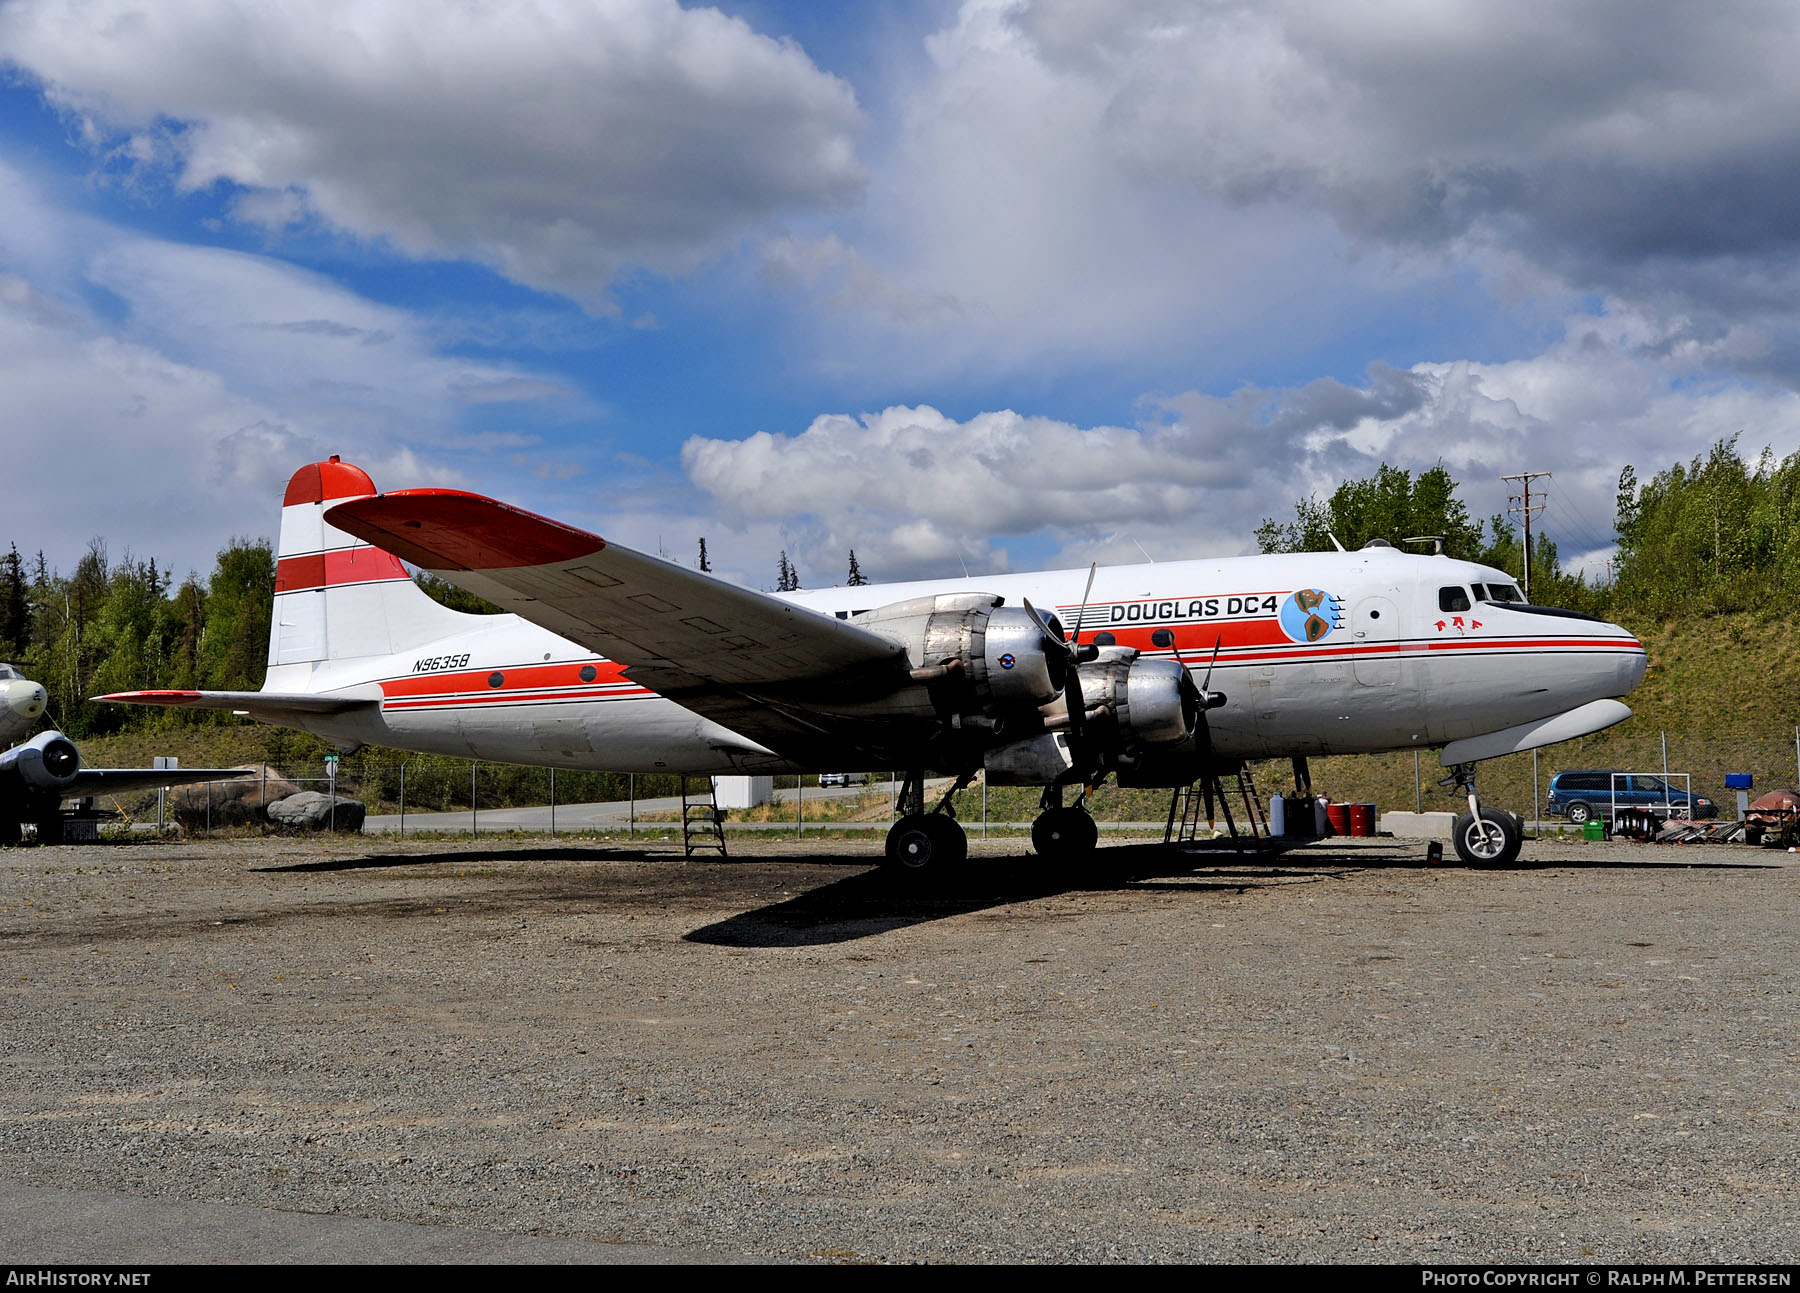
(611, 659)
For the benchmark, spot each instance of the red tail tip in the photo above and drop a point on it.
(319, 482)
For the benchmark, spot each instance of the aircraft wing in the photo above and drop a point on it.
(779, 674)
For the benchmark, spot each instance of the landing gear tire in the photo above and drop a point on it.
(1579, 813)
(1495, 840)
(923, 844)
(1064, 835)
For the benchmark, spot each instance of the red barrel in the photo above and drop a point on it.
(1362, 819)
(1339, 817)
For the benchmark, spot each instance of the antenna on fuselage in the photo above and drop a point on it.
(1334, 541)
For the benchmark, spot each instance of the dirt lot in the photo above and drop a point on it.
(1340, 1055)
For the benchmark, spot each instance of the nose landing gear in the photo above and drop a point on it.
(1484, 836)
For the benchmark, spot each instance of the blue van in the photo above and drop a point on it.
(1582, 795)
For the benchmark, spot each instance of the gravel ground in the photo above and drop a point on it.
(1339, 1055)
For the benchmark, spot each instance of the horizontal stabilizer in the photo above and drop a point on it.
(117, 781)
(1584, 720)
(254, 703)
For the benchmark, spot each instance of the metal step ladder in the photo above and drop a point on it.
(702, 822)
(1208, 794)
(1254, 813)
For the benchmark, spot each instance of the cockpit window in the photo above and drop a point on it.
(7, 673)
(1498, 593)
(1453, 598)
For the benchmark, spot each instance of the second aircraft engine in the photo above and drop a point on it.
(1150, 702)
(981, 658)
(48, 761)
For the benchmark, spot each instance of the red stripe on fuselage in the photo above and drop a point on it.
(1246, 639)
(472, 683)
(501, 697)
(329, 569)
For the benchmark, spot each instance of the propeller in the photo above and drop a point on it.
(1072, 698)
(1208, 698)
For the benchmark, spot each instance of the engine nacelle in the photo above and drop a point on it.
(1152, 702)
(983, 657)
(48, 761)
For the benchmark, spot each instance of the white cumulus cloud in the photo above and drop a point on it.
(559, 141)
(171, 419)
(913, 490)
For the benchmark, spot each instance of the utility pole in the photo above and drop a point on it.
(1520, 504)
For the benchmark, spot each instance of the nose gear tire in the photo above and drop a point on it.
(1495, 840)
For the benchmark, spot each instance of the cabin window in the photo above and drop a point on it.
(1454, 598)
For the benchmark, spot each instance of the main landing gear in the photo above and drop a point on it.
(1484, 836)
(1063, 835)
(930, 842)
(926, 843)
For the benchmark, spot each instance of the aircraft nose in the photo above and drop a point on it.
(1628, 665)
(25, 700)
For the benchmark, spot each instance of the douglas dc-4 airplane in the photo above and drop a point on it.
(37, 775)
(1155, 674)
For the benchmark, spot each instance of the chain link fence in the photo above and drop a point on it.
(405, 795)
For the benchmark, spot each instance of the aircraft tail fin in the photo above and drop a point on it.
(336, 597)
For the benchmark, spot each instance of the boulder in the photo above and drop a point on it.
(234, 803)
(311, 811)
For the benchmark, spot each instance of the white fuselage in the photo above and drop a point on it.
(1317, 653)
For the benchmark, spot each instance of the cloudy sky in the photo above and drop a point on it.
(1005, 284)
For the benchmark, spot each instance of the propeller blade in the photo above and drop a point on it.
(1072, 698)
(1081, 615)
(1210, 699)
(1043, 623)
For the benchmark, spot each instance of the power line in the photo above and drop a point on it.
(1520, 504)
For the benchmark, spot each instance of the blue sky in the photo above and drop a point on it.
(1010, 283)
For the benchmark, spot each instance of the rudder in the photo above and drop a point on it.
(337, 597)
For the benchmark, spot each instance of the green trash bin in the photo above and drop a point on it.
(1593, 829)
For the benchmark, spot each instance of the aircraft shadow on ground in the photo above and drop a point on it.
(377, 861)
(877, 901)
